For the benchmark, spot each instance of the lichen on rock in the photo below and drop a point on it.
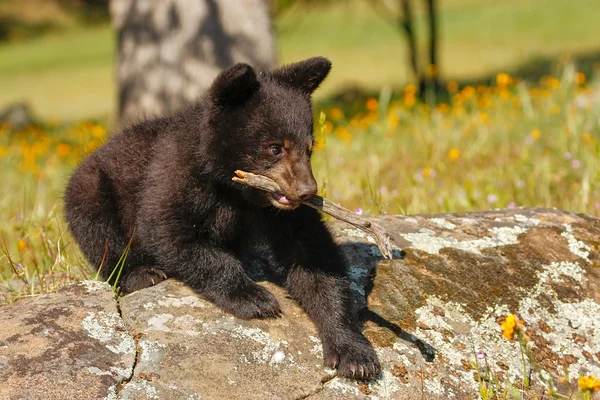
(433, 314)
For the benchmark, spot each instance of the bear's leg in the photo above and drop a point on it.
(326, 299)
(92, 215)
(218, 276)
(317, 279)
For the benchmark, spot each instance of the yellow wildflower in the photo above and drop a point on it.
(486, 101)
(92, 146)
(328, 127)
(452, 86)
(589, 383)
(453, 154)
(410, 89)
(580, 78)
(372, 104)
(343, 134)
(535, 134)
(484, 118)
(410, 99)
(319, 145)
(587, 137)
(63, 149)
(468, 92)
(443, 107)
(427, 172)
(508, 326)
(98, 131)
(545, 93)
(393, 120)
(458, 111)
(336, 114)
(550, 82)
(503, 79)
(21, 244)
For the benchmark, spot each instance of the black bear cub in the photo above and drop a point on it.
(164, 185)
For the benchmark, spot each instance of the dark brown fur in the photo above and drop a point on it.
(166, 183)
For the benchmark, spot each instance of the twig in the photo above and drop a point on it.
(335, 210)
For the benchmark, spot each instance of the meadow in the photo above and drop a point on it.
(508, 144)
(69, 75)
(488, 140)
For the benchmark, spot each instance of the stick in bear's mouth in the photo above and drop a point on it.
(335, 210)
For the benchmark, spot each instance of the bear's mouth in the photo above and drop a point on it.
(280, 201)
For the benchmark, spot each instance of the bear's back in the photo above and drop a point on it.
(124, 160)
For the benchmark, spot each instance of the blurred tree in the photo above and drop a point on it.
(90, 10)
(426, 74)
(400, 14)
(169, 51)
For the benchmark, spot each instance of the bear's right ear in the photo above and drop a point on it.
(234, 85)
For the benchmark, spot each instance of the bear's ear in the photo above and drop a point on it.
(234, 85)
(306, 75)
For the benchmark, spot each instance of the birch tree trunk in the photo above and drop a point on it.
(169, 51)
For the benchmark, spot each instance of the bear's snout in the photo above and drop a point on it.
(307, 189)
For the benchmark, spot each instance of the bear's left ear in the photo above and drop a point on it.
(306, 75)
(234, 85)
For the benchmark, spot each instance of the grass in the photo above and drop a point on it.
(70, 75)
(66, 77)
(501, 146)
(505, 145)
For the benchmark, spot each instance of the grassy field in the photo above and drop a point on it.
(70, 76)
(505, 145)
(498, 144)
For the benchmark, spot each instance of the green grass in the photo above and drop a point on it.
(491, 146)
(65, 77)
(70, 76)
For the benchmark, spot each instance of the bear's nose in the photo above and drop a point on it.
(307, 191)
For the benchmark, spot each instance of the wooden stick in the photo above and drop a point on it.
(335, 210)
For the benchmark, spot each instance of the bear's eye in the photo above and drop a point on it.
(276, 149)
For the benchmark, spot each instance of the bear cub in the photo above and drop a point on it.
(164, 188)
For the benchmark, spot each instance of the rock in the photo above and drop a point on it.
(17, 116)
(434, 316)
(436, 309)
(191, 349)
(66, 345)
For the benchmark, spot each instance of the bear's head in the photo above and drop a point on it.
(264, 125)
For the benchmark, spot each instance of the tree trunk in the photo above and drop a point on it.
(406, 22)
(433, 67)
(169, 51)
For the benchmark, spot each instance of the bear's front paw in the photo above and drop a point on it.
(253, 301)
(141, 278)
(355, 359)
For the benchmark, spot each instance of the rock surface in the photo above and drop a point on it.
(66, 345)
(188, 347)
(434, 313)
